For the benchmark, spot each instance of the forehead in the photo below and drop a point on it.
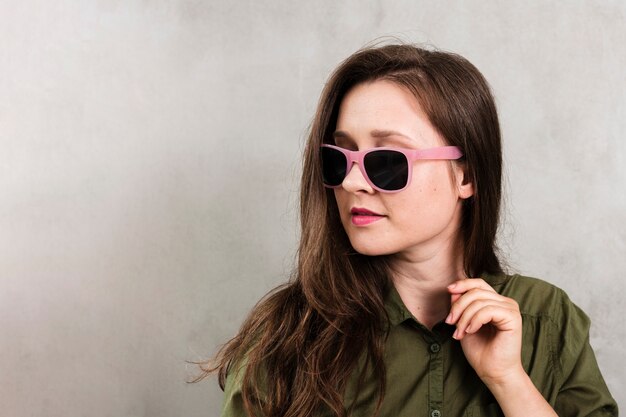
(383, 99)
(382, 105)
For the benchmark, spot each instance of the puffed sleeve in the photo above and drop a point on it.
(583, 392)
(232, 405)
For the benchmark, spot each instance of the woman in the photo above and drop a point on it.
(399, 305)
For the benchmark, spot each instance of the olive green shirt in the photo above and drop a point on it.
(428, 375)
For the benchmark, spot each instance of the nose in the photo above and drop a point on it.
(355, 180)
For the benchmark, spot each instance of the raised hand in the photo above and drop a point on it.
(489, 327)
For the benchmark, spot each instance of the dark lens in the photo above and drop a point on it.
(333, 166)
(388, 170)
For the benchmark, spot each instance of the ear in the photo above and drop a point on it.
(463, 184)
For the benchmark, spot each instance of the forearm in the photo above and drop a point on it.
(518, 397)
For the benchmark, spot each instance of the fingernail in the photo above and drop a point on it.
(456, 334)
(452, 285)
(449, 318)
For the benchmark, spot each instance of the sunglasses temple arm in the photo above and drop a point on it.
(444, 152)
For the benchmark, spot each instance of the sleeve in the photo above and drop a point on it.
(233, 405)
(583, 391)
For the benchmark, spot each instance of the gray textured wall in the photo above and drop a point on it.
(125, 249)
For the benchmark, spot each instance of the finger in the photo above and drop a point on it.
(464, 285)
(463, 300)
(502, 318)
(473, 309)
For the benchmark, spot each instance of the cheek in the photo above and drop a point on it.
(434, 181)
(340, 199)
(428, 198)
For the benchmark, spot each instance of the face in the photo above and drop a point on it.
(418, 220)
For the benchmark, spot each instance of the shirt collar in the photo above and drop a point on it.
(397, 311)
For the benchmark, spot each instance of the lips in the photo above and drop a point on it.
(363, 212)
(361, 216)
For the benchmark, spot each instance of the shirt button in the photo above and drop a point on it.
(435, 413)
(434, 348)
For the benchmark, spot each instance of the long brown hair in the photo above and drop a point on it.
(302, 341)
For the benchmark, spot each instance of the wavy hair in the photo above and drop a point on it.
(302, 342)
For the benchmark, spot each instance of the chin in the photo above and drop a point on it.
(369, 249)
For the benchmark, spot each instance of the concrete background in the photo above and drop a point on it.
(130, 242)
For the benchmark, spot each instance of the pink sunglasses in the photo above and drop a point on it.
(387, 170)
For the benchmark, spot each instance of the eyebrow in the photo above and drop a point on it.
(374, 133)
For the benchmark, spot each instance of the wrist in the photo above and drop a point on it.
(513, 380)
(517, 396)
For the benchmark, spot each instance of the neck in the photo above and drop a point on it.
(421, 280)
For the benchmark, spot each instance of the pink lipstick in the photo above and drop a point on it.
(363, 216)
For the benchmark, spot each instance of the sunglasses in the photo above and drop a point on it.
(387, 170)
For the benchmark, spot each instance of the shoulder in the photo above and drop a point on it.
(536, 297)
(556, 352)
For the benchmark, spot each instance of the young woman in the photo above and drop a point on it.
(399, 305)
